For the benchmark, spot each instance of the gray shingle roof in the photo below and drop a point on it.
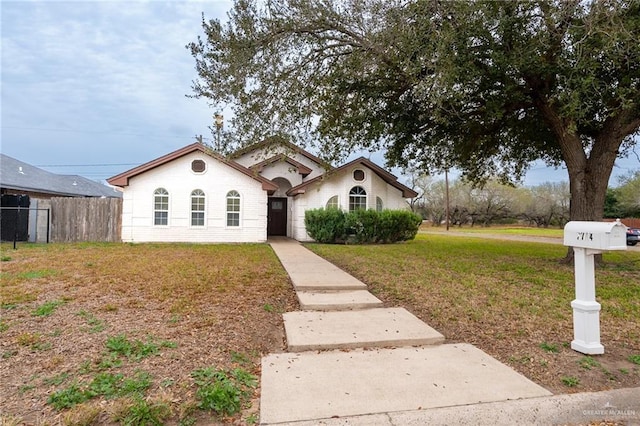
(19, 176)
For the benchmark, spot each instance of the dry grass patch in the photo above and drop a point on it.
(122, 327)
(510, 299)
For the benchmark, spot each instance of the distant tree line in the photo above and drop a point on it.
(543, 205)
(624, 200)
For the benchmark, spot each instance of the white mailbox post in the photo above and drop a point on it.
(588, 239)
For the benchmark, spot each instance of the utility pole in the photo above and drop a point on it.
(446, 184)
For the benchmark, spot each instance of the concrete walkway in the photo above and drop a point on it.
(351, 361)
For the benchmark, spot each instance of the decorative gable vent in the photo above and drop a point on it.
(198, 166)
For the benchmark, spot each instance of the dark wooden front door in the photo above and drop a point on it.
(277, 216)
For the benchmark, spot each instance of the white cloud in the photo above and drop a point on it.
(93, 82)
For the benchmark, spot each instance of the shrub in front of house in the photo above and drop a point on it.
(325, 226)
(361, 226)
(398, 225)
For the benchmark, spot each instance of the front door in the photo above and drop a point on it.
(277, 216)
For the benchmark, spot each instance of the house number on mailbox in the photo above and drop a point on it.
(584, 235)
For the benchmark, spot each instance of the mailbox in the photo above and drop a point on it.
(587, 240)
(596, 235)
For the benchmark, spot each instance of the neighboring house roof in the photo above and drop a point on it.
(123, 178)
(277, 140)
(382, 173)
(302, 169)
(18, 176)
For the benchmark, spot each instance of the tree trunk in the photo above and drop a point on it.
(588, 174)
(588, 182)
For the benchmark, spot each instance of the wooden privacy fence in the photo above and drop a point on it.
(86, 219)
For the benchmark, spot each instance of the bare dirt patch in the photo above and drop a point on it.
(198, 306)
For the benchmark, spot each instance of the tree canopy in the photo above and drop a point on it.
(483, 86)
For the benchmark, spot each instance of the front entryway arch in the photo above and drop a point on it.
(277, 217)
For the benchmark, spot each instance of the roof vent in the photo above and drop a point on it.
(20, 170)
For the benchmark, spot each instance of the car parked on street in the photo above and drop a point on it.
(633, 236)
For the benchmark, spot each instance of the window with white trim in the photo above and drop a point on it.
(379, 204)
(233, 208)
(160, 207)
(357, 199)
(197, 207)
(333, 203)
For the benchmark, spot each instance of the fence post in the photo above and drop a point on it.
(48, 223)
(15, 234)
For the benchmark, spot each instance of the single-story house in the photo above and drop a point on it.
(17, 177)
(31, 188)
(197, 195)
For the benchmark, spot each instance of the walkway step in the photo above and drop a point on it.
(324, 280)
(337, 300)
(381, 327)
(313, 386)
(310, 272)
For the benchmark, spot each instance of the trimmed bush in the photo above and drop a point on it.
(361, 226)
(325, 226)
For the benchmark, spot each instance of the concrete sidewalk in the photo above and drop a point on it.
(353, 362)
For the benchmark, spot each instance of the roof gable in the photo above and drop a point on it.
(302, 169)
(382, 173)
(122, 179)
(279, 141)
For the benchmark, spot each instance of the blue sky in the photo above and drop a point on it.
(100, 86)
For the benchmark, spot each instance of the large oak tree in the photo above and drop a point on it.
(483, 86)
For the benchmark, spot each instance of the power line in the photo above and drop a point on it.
(87, 165)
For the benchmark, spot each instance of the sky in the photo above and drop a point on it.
(95, 88)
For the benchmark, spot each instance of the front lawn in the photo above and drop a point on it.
(511, 299)
(132, 334)
(129, 333)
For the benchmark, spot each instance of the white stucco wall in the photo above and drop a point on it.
(257, 156)
(284, 170)
(179, 180)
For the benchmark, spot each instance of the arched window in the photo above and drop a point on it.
(197, 207)
(160, 207)
(357, 199)
(233, 208)
(379, 204)
(333, 203)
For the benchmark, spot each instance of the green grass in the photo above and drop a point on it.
(136, 349)
(144, 413)
(46, 308)
(588, 363)
(549, 347)
(570, 381)
(68, 397)
(56, 380)
(221, 391)
(95, 325)
(502, 288)
(104, 385)
(500, 230)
